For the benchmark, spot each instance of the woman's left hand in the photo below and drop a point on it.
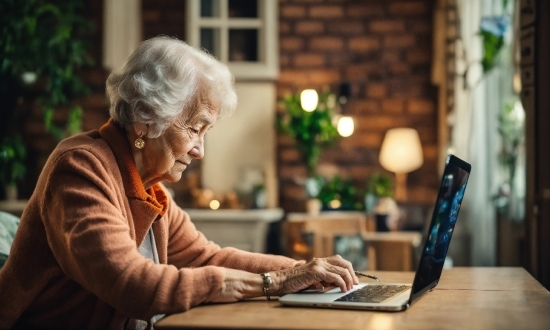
(330, 271)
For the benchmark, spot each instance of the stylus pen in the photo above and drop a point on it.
(367, 275)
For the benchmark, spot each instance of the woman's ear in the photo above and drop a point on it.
(141, 129)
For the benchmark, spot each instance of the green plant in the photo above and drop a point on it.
(380, 185)
(312, 131)
(343, 191)
(12, 161)
(511, 126)
(41, 44)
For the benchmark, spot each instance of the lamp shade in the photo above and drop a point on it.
(401, 150)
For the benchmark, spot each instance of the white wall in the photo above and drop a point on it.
(245, 140)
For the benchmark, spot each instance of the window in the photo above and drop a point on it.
(240, 33)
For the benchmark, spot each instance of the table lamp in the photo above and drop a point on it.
(401, 153)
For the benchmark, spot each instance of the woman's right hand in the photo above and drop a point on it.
(330, 271)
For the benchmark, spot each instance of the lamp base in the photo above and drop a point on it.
(401, 187)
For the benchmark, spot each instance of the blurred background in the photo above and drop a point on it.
(347, 111)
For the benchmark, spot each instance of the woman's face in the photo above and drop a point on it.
(166, 157)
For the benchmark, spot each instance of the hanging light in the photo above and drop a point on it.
(309, 100)
(345, 126)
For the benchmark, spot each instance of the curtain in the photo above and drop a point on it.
(479, 97)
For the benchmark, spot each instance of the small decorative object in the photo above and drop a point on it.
(12, 164)
(401, 153)
(313, 206)
(387, 214)
(378, 186)
(259, 194)
(352, 248)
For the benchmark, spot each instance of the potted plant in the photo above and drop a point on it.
(12, 165)
(313, 131)
(43, 48)
(339, 194)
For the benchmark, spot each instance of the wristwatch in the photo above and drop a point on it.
(267, 284)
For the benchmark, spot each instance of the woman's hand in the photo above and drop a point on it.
(330, 271)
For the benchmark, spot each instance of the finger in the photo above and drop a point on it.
(341, 262)
(335, 279)
(344, 274)
(326, 266)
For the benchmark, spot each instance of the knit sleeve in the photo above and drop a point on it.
(187, 247)
(88, 234)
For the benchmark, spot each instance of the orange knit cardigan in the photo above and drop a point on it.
(74, 262)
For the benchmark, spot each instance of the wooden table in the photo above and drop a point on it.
(466, 298)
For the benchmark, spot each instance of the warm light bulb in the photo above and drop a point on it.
(335, 204)
(214, 204)
(345, 126)
(309, 100)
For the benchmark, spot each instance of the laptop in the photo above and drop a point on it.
(399, 296)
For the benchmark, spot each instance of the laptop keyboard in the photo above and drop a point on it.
(374, 293)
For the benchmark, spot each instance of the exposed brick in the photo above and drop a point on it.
(401, 41)
(361, 71)
(364, 106)
(347, 27)
(308, 60)
(408, 8)
(291, 43)
(376, 91)
(419, 56)
(420, 26)
(326, 43)
(326, 11)
(290, 155)
(150, 15)
(284, 60)
(285, 140)
(430, 152)
(365, 10)
(392, 106)
(364, 138)
(287, 11)
(364, 44)
(420, 107)
(294, 192)
(311, 78)
(399, 68)
(387, 26)
(391, 56)
(384, 53)
(309, 27)
(290, 172)
(381, 123)
(284, 28)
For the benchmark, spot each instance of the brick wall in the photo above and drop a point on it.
(95, 106)
(384, 50)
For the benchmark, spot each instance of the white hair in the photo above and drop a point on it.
(163, 78)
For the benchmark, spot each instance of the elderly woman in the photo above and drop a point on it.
(102, 245)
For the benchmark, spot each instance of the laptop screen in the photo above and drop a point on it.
(449, 199)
